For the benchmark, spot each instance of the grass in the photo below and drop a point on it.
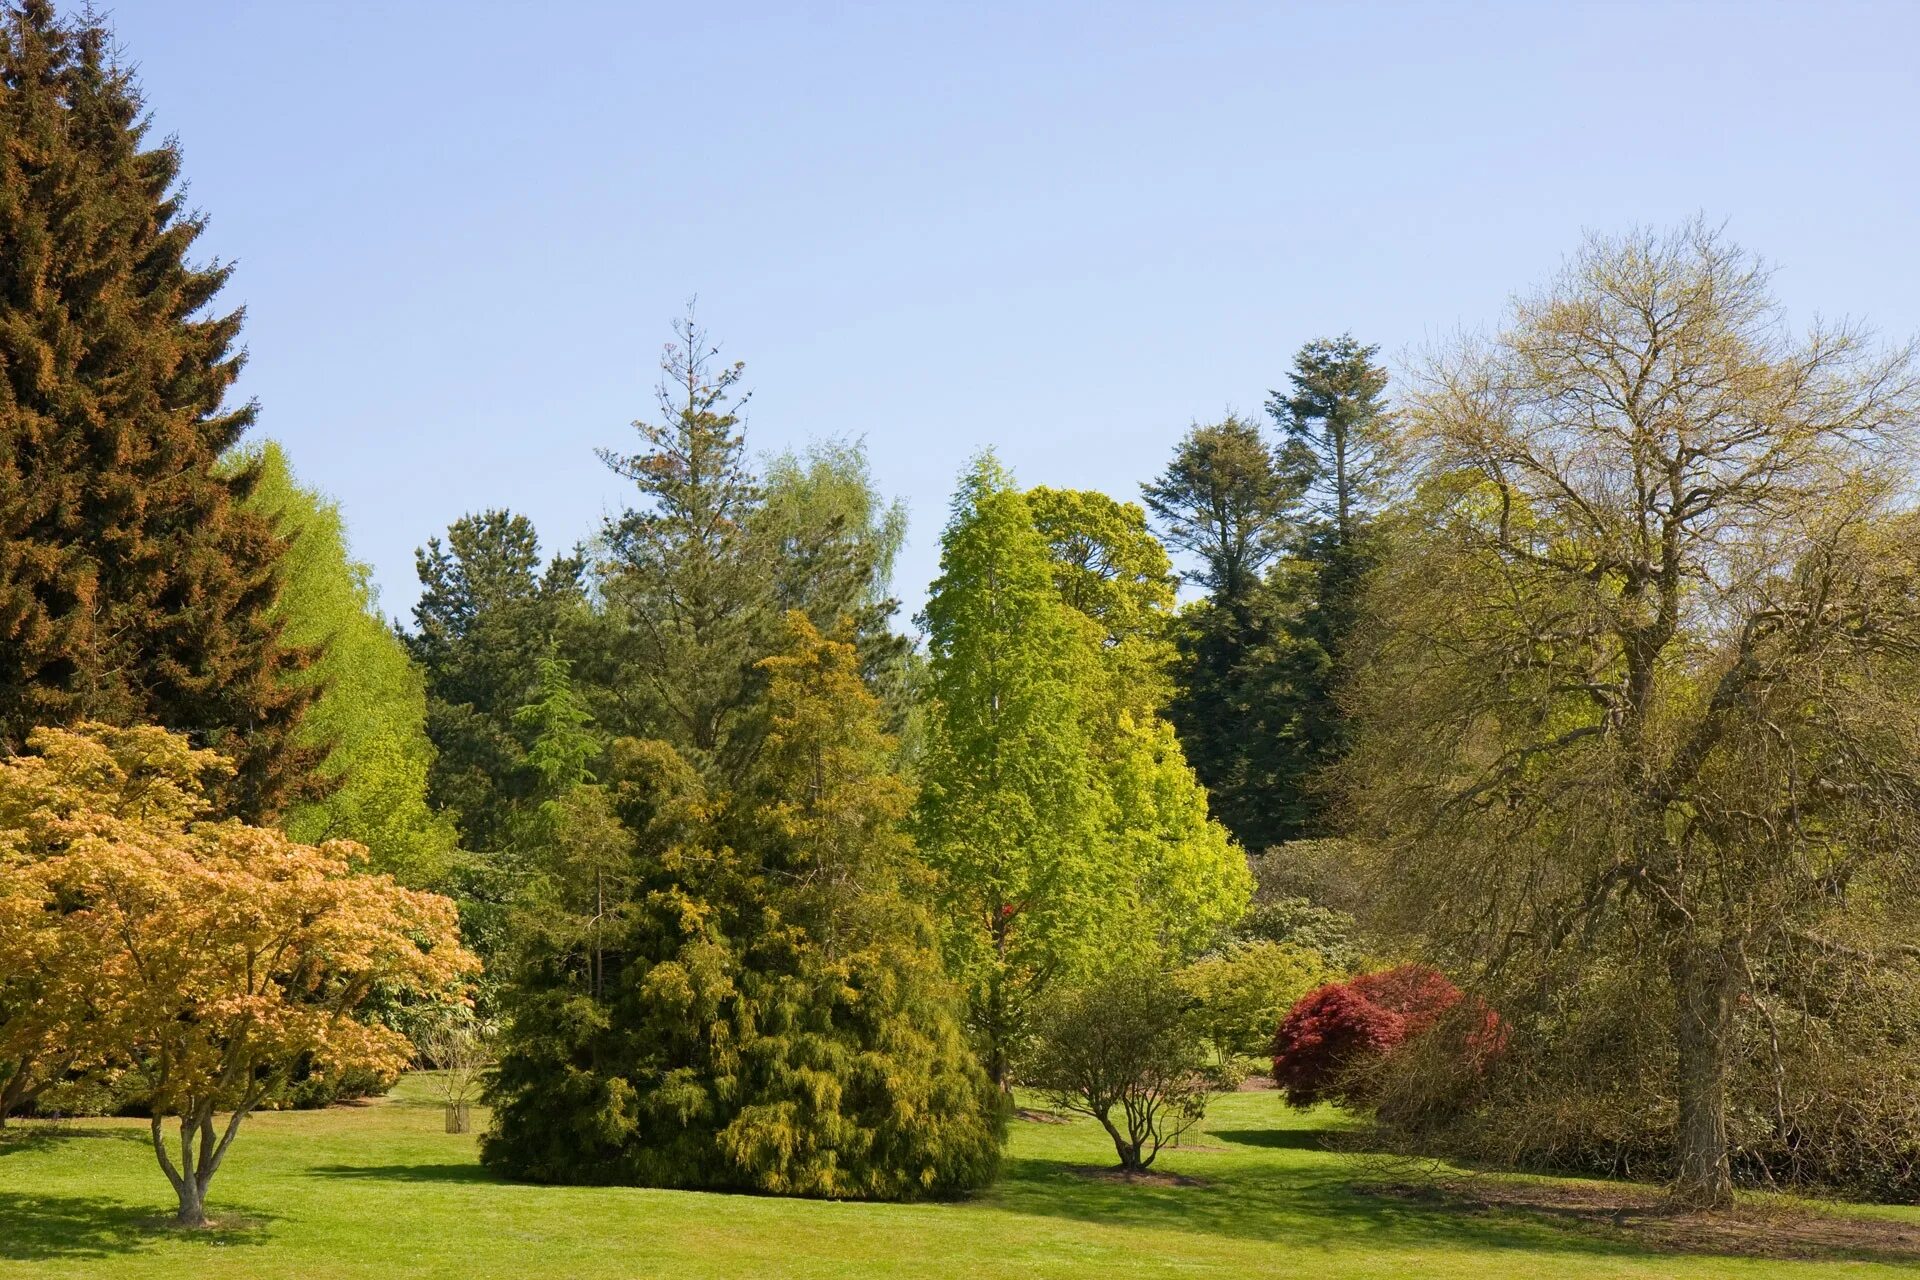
(382, 1191)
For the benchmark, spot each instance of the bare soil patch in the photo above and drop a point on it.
(1645, 1216)
(1032, 1116)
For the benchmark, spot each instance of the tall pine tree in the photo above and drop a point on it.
(1226, 499)
(688, 580)
(1343, 447)
(135, 586)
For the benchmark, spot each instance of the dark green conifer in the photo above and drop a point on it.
(766, 1010)
(134, 586)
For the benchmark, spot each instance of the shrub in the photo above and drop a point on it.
(1124, 1042)
(1324, 1045)
(1244, 990)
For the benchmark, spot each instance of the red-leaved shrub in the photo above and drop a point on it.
(1343, 1026)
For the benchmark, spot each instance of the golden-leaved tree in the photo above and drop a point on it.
(207, 961)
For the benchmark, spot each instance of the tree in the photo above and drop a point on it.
(458, 1046)
(135, 585)
(1343, 443)
(1640, 695)
(1010, 812)
(834, 540)
(225, 955)
(1110, 569)
(688, 582)
(773, 1016)
(1225, 499)
(486, 618)
(369, 713)
(1123, 1040)
(1344, 448)
(571, 840)
(1334, 1033)
(1177, 876)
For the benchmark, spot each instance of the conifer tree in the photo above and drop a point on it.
(771, 1015)
(688, 581)
(135, 586)
(1011, 809)
(486, 618)
(1226, 499)
(1343, 447)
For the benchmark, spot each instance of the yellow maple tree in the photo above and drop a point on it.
(204, 960)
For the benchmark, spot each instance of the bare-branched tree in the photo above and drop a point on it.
(1642, 686)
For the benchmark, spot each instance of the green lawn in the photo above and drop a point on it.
(381, 1191)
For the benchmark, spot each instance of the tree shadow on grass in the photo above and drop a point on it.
(1280, 1139)
(443, 1172)
(1317, 1205)
(48, 1135)
(42, 1228)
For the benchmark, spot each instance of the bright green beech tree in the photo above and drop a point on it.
(370, 714)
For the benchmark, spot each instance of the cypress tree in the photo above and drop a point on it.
(134, 584)
(764, 1009)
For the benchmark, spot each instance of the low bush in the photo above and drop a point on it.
(1242, 992)
(1326, 1047)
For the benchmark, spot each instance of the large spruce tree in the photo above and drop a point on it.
(134, 584)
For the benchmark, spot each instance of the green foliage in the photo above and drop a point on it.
(486, 618)
(834, 540)
(136, 587)
(1182, 882)
(1058, 807)
(1302, 923)
(1245, 989)
(1124, 1041)
(1225, 499)
(688, 583)
(1261, 662)
(370, 706)
(1012, 807)
(1236, 712)
(766, 1011)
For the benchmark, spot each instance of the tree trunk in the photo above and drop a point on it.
(193, 1203)
(457, 1117)
(1704, 984)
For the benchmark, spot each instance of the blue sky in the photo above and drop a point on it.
(1064, 231)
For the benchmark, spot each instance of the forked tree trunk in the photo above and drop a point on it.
(202, 1150)
(1705, 989)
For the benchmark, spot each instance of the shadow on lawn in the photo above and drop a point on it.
(1316, 1202)
(44, 1228)
(1279, 1139)
(445, 1172)
(45, 1135)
